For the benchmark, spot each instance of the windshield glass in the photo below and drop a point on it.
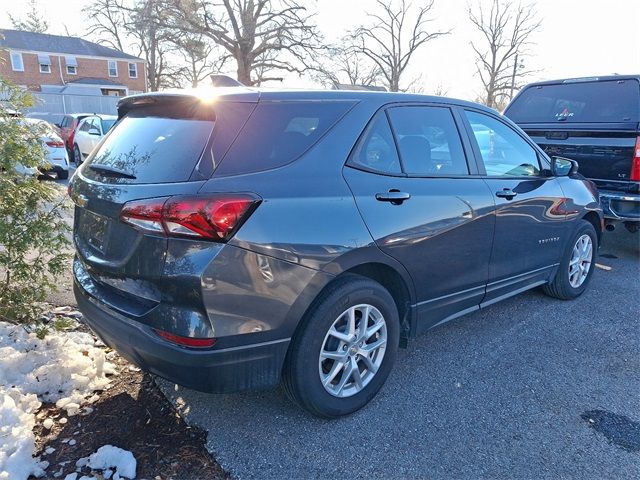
(107, 124)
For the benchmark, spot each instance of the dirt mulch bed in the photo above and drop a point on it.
(134, 415)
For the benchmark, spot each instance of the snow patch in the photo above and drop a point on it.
(107, 458)
(65, 368)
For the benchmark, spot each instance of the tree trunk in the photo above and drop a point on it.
(244, 71)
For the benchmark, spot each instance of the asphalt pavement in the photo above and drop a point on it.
(530, 388)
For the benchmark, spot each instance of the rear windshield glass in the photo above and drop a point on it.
(278, 133)
(597, 102)
(142, 149)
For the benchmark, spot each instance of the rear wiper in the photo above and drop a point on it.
(108, 171)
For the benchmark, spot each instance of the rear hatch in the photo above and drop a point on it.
(160, 147)
(593, 122)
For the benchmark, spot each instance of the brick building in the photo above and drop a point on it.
(57, 64)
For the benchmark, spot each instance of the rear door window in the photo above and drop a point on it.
(428, 141)
(588, 102)
(278, 133)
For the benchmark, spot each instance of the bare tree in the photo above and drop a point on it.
(440, 91)
(395, 35)
(201, 60)
(34, 21)
(153, 39)
(506, 30)
(136, 28)
(345, 65)
(263, 36)
(108, 20)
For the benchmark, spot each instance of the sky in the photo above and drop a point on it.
(577, 38)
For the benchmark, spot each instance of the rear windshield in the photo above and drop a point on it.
(597, 102)
(150, 149)
(277, 133)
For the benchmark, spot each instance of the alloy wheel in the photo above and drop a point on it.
(580, 263)
(353, 350)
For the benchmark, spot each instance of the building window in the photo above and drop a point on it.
(113, 68)
(133, 70)
(72, 64)
(45, 63)
(16, 62)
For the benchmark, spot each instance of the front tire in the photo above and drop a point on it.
(62, 174)
(345, 348)
(577, 265)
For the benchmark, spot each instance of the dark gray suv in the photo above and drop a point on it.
(235, 240)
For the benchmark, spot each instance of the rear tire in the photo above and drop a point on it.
(306, 368)
(63, 174)
(567, 286)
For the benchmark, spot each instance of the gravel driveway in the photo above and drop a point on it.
(529, 388)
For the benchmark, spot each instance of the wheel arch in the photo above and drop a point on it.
(594, 219)
(396, 281)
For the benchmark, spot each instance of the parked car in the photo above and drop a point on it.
(89, 133)
(67, 126)
(227, 244)
(595, 121)
(56, 158)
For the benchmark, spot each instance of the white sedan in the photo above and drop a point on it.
(89, 133)
(56, 158)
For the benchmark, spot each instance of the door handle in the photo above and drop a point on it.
(395, 197)
(506, 193)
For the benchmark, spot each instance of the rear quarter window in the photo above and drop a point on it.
(277, 133)
(580, 102)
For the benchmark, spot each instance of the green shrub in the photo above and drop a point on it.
(33, 232)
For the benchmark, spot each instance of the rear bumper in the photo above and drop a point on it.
(215, 371)
(622, 207)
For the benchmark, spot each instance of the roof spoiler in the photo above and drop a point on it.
(225, 81)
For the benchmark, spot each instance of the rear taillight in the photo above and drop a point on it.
(55, 143)
(635, 163)
(213, 217)
(186, 341)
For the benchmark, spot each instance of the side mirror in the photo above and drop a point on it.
(94, 131)
(563, 167)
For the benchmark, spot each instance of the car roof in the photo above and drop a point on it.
(565, 81)
(246, 94)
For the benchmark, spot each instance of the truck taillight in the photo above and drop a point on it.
(635, 163)
(211, 217)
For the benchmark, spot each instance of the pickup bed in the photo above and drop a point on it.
(595, 121)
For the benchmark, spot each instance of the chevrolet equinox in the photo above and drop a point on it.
(235, 240)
